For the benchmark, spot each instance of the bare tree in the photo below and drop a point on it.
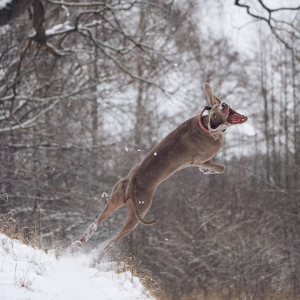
(70, 33)
(285, 27)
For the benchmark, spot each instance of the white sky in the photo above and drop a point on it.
(3, 3)
(232, 21)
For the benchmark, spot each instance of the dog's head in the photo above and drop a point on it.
(221, 116)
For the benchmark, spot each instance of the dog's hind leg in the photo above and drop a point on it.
(130, 224)
(116, 200)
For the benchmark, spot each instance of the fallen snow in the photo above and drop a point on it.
(59, 28)
(31, 274)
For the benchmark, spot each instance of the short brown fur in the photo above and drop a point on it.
(188, 145)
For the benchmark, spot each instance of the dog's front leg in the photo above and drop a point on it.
(209, 167)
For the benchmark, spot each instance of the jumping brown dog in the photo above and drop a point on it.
(193, 143)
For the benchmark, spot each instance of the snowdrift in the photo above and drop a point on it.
(31, 274)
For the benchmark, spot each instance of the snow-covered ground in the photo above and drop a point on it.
(31, 274)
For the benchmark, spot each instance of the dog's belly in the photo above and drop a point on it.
(154, 170)
(198, 161)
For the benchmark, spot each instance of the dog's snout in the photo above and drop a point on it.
(223, 105)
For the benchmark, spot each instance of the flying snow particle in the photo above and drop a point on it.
(126, 149)
(155, 153)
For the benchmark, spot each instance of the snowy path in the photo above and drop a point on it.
(31, 274)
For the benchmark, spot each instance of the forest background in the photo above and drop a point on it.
(87, 88)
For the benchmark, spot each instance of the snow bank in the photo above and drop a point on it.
(31, 274)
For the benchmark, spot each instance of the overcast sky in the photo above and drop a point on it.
(232, 21)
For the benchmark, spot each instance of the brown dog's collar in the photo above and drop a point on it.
(200, 119)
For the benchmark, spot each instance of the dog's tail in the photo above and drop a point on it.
(132, 192)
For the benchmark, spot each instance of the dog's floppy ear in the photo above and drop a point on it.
(215, 132)
(210, 95)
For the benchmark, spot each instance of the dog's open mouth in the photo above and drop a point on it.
(236, 118)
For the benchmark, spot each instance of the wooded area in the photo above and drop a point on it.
(88, 88)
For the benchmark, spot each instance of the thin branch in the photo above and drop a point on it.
(277, 9)
(268, 21)
(58, 147)
(29, 122)
(77, 4)
(53, 98)
(124, 69)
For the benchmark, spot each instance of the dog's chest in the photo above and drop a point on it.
(206, 149)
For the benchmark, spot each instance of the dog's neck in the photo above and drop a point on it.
(205, 120)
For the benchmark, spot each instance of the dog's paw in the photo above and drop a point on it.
(75, 246)
(207, 171)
